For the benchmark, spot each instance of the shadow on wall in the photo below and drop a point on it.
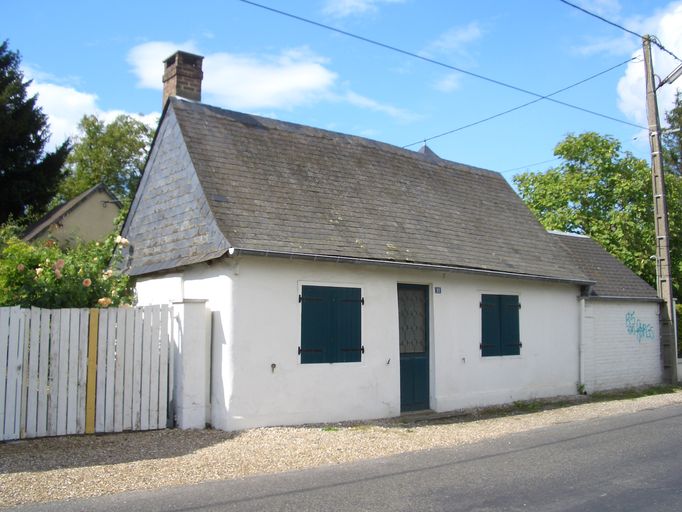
(218, 393)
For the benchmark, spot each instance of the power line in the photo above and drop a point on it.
(436, 62)
(602, 19)
(621, 27)
(518, 107)
(658, 43)
(530, 165)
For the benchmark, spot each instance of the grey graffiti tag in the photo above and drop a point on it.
(635, 327)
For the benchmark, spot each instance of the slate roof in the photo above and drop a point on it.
(611, 277)
(280, 188)
(62, 210)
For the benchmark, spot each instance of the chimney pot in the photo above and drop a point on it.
(182, 76)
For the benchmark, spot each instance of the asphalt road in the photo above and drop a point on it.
(625, 463)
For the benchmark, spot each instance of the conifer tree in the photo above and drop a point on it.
(29, 175)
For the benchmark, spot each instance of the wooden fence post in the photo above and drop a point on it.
(92, 372)
(23, 395)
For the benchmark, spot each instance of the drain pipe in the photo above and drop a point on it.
(581, 348)
(677, 361)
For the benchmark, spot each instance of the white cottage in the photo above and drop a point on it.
(351, 279)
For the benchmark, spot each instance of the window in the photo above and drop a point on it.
(330, 324)
(500, 325)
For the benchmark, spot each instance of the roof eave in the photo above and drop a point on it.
(621, 298)
(170, 267)
(406, 264)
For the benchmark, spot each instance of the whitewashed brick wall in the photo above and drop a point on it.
(621, 345)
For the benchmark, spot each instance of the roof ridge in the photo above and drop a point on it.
(291, 126)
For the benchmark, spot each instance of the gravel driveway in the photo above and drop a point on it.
(68, 467)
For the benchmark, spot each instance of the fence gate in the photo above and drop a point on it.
(76, 371)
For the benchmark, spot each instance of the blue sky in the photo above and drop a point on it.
(89, 59)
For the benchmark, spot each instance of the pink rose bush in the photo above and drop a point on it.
(45, 275)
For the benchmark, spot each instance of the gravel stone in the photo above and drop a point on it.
(60, 468)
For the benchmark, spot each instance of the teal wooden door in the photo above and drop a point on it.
(413, 322)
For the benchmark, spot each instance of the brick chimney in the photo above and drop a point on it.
(182, 76)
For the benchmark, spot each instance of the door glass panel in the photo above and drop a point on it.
(412, 320)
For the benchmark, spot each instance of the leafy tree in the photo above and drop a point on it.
(603, 192)
(113, 154)
(672, 161)
(672, 138)
(29, 176)
(10, 229)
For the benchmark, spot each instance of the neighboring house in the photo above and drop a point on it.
(619, 337)
(88, 216)
(351, 279)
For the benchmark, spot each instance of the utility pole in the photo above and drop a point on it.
(663, 275)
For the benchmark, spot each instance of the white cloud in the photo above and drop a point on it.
(631, 92)
(292, 78)
(456, 39)
(151, 119)
(147, 60)
(370, 104)
(605, 8)
(631, 87)
(242, 82)
(65, 106)
(621, 45)
(343, 8)
(448, 83)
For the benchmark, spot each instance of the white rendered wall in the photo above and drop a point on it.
(256, 324)
(213, 284)
(191, 382)
(549, 332)
(621, 345)
(163, 289)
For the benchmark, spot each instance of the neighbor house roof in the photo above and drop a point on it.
(612, 279)
(56, 215)
(263, 186)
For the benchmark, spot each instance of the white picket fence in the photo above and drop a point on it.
(76, 371)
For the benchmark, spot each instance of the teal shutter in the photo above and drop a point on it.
(509, 325)
(315, 324)
(347, 328)
(330, 324)
(500, 325)
(490, 325)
